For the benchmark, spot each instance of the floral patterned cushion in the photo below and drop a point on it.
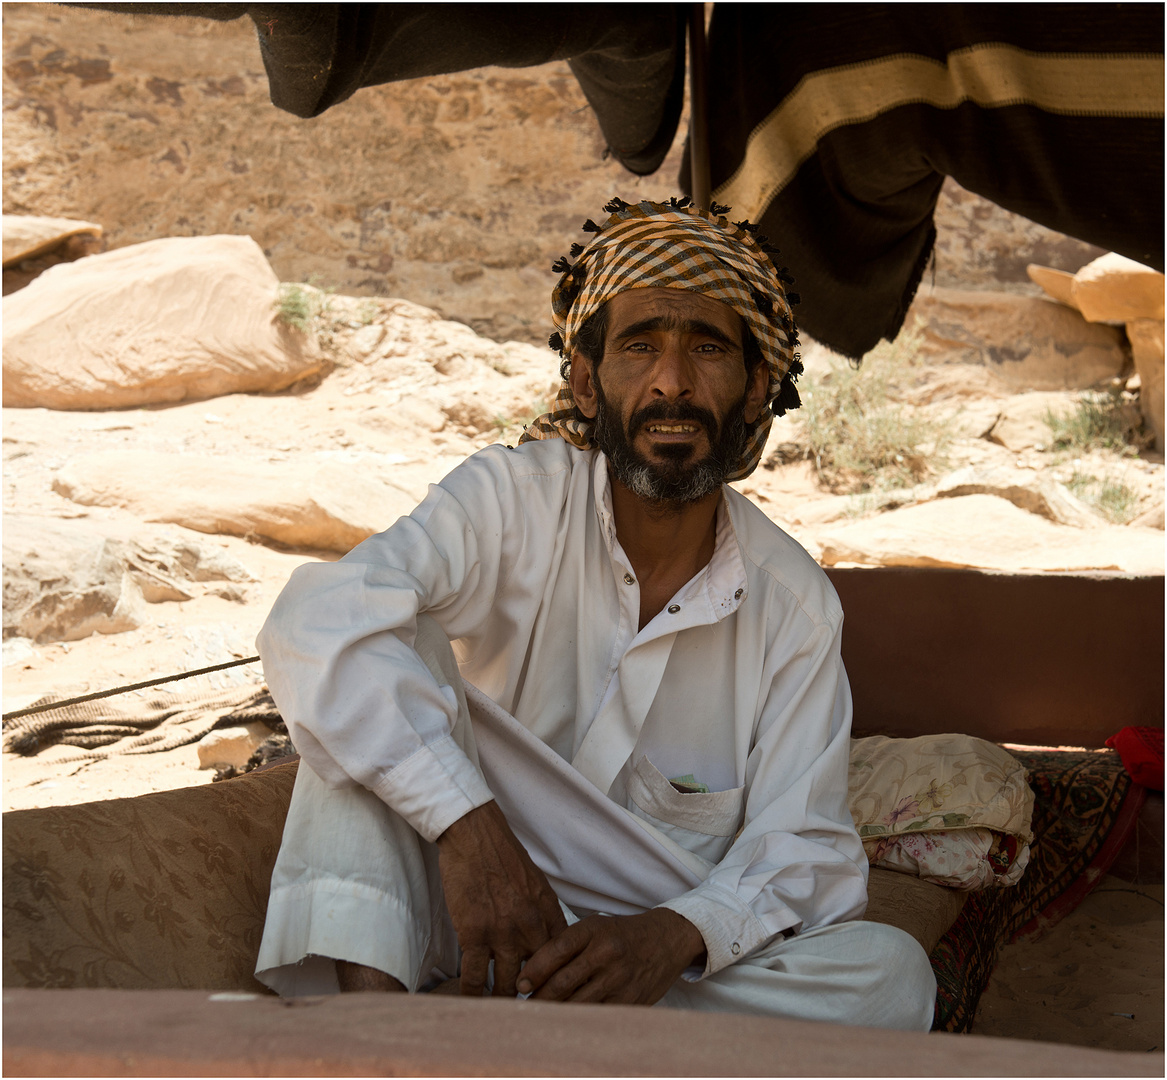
(164, 890)
(952, 809)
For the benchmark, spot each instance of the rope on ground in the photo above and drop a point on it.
(48, 705)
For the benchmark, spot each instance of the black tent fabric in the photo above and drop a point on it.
(833, 125)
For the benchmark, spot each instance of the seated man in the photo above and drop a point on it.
(640, 792)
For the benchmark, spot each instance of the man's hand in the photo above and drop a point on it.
(500, 902)
(626, 959)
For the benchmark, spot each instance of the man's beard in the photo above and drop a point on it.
(676, 480)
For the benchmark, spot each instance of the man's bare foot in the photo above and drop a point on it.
(357, 977)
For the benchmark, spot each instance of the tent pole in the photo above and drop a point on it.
(698, 118)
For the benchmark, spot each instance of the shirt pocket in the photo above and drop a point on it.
(703, 823)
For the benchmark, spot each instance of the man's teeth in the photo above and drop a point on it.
(672, 429)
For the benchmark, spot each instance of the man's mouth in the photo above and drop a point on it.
(672, 429)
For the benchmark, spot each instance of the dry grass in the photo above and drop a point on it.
(300, 306)
(1099, 421)
(1110, 496)
(861, 436)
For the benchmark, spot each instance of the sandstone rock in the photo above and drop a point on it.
(980, 244)
(228, 592)
(1114, 288)
(27, 236)
(1024, 489)
(1021, 424)
(18, 650)
(231, 746)
(975, 419)
(1058, 284)
(331, 508)
(1149, 519)
(63, 581)
(165, 321)
(1146, 338)
(1027, 343)
(182, 558)
(988, 533)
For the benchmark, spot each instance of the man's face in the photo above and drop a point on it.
(671, 398)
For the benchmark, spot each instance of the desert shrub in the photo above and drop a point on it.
(1109, 495)
(860, 436)
(1097, 422)
(302, 306)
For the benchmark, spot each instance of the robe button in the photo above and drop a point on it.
(674, 608)
(738, 595)
(629, 579)
(735, 948)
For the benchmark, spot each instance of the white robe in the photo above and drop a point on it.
(738, 681)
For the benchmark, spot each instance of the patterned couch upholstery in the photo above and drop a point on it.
(169, 891)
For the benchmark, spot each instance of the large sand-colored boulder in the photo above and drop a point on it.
(169, 320)
(64, 581)
(67, 579)
(989, 533)
(1027, 343)
(1114, 288)
(331, 508)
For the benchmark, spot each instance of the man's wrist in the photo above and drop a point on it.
(467, 829)
(690, 943)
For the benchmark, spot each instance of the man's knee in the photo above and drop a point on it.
(902, 974)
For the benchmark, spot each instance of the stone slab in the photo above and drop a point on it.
(989, 533)
(26, 236)
(193, 1033)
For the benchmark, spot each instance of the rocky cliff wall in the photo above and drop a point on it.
(456, 192)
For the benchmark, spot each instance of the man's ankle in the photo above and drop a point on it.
(357, 977)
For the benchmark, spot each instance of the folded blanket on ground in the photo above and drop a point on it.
(143, 723)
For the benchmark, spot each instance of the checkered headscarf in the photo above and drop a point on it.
(675, 246)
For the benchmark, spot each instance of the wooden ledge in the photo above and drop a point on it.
(196, 1033)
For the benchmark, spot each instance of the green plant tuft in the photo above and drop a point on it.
(1097, 422)
(861, 437)
(302, 306)
(1109, 496)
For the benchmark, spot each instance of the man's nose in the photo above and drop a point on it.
(672, 375)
